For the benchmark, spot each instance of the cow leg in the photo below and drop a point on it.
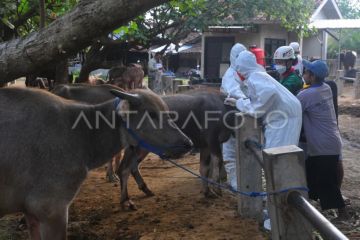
(124, 172)
(205, 160)
(215, 173)
(216, 165)
(110, 174)
(33, 225)
(109, 171)
(117, 160)
(135, 172)
(54, 225)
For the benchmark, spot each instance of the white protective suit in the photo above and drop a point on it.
(233, 87)
(299, 66)
(278, 108)
(231, 83)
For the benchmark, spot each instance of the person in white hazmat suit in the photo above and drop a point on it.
(279, 110)
(233, 87)
(299, 65)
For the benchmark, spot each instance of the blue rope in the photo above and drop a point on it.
(160, 153)
(248, 194)
(258, 145)
(140, 142)
(145, 145)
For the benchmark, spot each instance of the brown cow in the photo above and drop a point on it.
(127, 78)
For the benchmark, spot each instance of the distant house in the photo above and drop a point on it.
(186, 57)
(268, 35)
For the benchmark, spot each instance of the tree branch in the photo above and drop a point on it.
(65, 36)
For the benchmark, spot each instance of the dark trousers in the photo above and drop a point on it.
(321, 174)
(151, 80)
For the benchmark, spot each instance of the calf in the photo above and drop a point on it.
(127, 78)
(196, 111)
(43, 165)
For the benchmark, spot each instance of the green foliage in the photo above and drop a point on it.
(350, 38)
(172, 21)
(349, 10)
(294, 15)
(22, 16)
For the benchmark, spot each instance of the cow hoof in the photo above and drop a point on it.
(128, 206)
(147, 192)
(111, 178)
(217, 191)
(212, 193)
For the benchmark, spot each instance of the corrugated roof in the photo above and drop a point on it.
(195, 48)
(191, 38)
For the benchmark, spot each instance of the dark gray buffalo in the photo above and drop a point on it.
(200, 114)
(43, 165)
(92, 95)
(204, 118)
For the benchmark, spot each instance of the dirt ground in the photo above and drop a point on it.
(179, 210)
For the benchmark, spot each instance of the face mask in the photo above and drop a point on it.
(280, 68)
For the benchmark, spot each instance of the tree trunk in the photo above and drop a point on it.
(42, 13)
(61, 74)
(86, 69)
(67, 35)
(97, 58)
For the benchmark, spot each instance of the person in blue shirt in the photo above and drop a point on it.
(322, 137)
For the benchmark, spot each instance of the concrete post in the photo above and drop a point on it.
(339, 81)
(248, 169)
(357, 86)
(285, 168)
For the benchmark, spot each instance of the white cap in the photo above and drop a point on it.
(284, 53)
(295, 46)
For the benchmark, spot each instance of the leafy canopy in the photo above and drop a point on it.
(173, 21)
(169, 22)
(21, 17)
(350, 38)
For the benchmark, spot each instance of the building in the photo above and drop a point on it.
(268, 35)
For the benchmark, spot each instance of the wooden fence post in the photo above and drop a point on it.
(339, 81)
(248, 170)
(357, 86)
(284, 169)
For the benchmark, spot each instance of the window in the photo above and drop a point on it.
(271, 45)
(225, 53)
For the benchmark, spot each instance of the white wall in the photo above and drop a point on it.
(320, 15)
(315, 46)
(272, 31)
(248, 39)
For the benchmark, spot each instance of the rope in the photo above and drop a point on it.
(249, 143)
(160, 153)
(140, 142)
(228, 188)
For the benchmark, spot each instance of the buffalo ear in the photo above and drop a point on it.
(132, 98)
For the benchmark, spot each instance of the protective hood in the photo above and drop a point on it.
(231, 84)
(245, 64)
(278, 108)
(234, 53)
